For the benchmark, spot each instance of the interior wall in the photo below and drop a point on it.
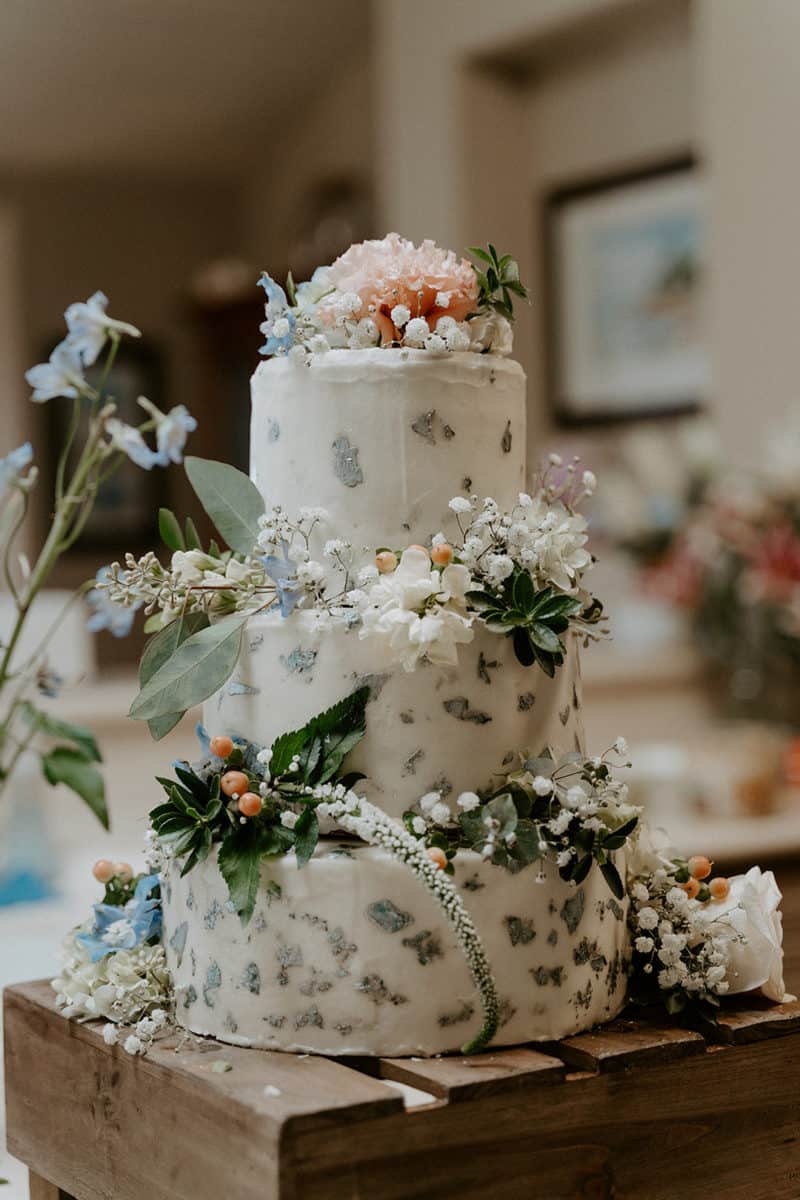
(138, 239)
(332, 135)
(628, 101)
(749, 68)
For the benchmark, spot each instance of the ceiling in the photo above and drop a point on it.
(189, 85)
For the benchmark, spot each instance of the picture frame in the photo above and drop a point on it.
(625, 258)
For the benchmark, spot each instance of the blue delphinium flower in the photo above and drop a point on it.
(12, 466)
(108, 614)
(62, 375)
(129, 440)
(279, 326)
(89, 326)
(283, 573)
(124, 927)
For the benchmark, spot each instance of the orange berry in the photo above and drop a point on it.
(437, 857)
(250, 804)
(123, 872)
(222, 745)
(234, 783)
(103, 870)
(691, 887)
(699, 866)
(442, 554)
(386, 561)
(424, 549)
(719, 888)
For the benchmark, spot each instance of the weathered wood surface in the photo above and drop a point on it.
(40, 1189)
(632, 1111)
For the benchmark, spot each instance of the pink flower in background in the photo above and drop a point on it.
(775, 563)
(428, 281)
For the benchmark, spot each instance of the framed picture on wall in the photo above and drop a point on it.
(625, 259)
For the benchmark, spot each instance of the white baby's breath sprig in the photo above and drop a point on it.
(369, 822)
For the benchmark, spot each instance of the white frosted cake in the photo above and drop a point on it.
(394, 841)
(350, 955)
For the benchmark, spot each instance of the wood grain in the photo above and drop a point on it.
(625, 1043)
(166, 1126)
(707, 1121)
(40, 1189)
(751, 1019)
(454, 1078)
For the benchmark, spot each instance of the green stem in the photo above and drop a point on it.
(12, 587)
(62, 462)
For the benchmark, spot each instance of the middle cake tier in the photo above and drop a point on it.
(434, 729)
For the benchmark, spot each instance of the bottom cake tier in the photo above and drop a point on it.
(352, 955)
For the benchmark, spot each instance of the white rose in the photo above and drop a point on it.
(491, 332)
(751, 911)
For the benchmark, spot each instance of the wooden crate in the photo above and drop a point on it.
(635, 1111)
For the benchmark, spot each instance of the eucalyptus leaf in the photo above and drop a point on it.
(158, 650)
(191, 535)
(170, 530)
(199, 666)
(70, 766)
(231, 499)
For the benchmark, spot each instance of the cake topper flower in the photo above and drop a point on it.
(388, 292)
(398, 282)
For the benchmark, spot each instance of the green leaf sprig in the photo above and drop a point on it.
(512, 825)
(533, 619)
(197, 814)
(499, 282)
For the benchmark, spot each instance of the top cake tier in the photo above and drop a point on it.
(384, 438)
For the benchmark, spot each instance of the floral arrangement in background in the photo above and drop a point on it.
(732, 563)
(114, 966)
(71, 754)
(390, 292)
(519, 573)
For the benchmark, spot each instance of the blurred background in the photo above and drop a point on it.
(638, 158)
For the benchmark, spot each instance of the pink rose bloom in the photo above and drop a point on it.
(394, 271)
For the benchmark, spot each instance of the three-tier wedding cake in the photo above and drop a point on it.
(395, 840)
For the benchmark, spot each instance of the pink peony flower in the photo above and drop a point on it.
(394, 271)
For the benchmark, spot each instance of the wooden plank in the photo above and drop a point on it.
(166, 1126)
(455, 1078)
(730, 1116)
(753, 1018)
(41, 1189)
(625, 1043)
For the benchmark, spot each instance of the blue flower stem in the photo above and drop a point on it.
(71, 511)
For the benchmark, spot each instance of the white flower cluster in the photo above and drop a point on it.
(704, 948)
(679, 954)
(370, 823)
(194, 581)
(128, 988)
(541, 534)
(416, 611)
(568, 798)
